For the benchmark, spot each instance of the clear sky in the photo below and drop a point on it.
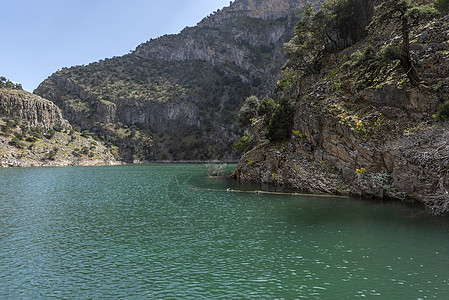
(39, 37)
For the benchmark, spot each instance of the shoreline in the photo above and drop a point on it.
(36, 164)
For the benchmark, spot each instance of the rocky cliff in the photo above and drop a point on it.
(381, 141)
(31, 109)
(181, 91)
(34, 133)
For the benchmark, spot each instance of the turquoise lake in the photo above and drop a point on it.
(139, 232)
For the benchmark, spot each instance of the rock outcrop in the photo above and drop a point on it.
(381, 141)
(31, 109)
(34, 133)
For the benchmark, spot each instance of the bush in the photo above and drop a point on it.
(31, 139)
(58, 128)
(24, 128)
(37, 132)
(21, 136)
(17, 143)
(266, 107)
(86, 134)
(443, 112)
(248, 111)
(244, 144)
(85, 150)
(10, 123)
(52, 154)
(281, 122)
(442, 6)
(51, 133)
(7, 84)
(6, 131)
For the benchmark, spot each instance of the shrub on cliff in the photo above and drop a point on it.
(50, 134)
(58, 127)
(404, 15)
(17, 143)
(281, 122)
(248, 111)
(7, 84)
(245, 143)
(337, 25)
(443, 112)
(52, 154)
(266, 108)
(37, 132)
(5, 130)
(442, 6)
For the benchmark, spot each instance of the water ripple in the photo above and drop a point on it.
(138, 232)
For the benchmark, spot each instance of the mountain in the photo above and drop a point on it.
(177, 97)
(34, 133)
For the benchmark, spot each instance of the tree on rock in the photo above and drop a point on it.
(248, 111)
(405, 15)
(281, 123)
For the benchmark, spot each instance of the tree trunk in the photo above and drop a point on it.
(407, 62)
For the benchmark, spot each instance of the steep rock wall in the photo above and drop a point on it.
(32, 109)
(34, 133)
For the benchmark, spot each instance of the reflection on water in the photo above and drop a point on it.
(139, 232)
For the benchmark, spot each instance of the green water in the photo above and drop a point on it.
(138, 232)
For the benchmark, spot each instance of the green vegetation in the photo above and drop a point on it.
(7, 84)
(443, 112)
(442, 6)
(266, 108)
(339, 24)
(404, 15)
(133, 78)
(248, 111)
(281, 122)
(288, 81)
(52, 154)
(17, 143)
(276, 118)
(244, 144)
(370, 67)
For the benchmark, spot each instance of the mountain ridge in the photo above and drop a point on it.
(206, 71)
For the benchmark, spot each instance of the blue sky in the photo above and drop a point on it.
(40, 37)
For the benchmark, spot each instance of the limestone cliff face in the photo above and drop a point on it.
(154, 114)
(265, 9)
(378, 142)
(229, 36)
(34, 133)
(182, 91)
(32, 109)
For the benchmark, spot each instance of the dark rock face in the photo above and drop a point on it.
(182, 91)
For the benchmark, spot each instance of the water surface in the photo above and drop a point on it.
(138, 232)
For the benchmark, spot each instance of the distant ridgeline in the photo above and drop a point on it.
(177, 97)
